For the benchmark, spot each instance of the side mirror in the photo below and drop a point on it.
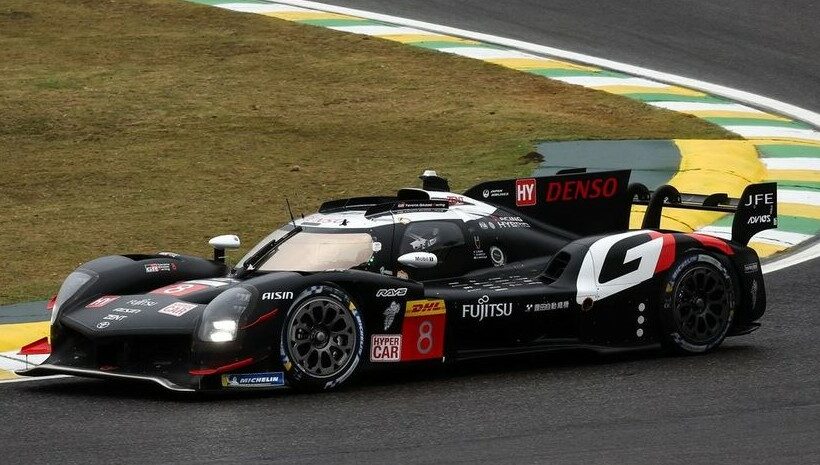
(223, 243)
(419, 260)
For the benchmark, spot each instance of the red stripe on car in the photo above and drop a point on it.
(222, 369)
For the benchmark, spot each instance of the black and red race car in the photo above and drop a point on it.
(509, 267)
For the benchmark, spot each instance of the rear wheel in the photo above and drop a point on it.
(698, 304)
(322, 339)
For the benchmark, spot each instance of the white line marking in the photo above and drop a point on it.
(734, 94)
(376, 30)
(704, 106)
(807, 197)
(774, 132)
(601, 81)
(796, 163)
(486, 53)
(790, 260)
(260, 8)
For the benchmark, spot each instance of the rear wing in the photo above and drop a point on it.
(600, 202)
(755, 210)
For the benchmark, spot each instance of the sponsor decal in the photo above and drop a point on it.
(180, 289)
(759, 199)
(115, 317)
(169, 254)
(401, 274)
(524, 192)
(751, 267)
(385, 348)
(421, 205)
(397, 292)
(483, 225)
(494, 193)
(422, 332)
(158, 267)
(233, 380)
(142, 302)
(582, 189)
(497, 256)
(377, 246)
(277, 295)
(759, 219)
(456, 200)
(102, 301)
(177, 309)
(547, 306)
(390, 314)
(484, 309)
(479, 255)
(103, 324)
(504, 222)
(425, 307)
(131, 311)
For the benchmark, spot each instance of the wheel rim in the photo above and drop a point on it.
(322, 337)
(701, 305)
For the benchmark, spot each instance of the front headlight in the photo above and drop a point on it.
(220, 319)
(72, 284)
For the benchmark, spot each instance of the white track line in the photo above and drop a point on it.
(260, 8)
(793, 259)
(797, 196)
(774, 132)
(487, 53)
(796, 163)
(377, 30)
(602, 81)
(704, 106)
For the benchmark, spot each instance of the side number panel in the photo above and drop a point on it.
(423, 330)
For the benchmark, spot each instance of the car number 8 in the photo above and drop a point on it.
(425, 342)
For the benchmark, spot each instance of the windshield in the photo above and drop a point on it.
(310, 251)
(274, 236)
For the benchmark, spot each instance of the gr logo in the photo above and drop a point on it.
(618, 262)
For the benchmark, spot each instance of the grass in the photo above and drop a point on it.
(146, 125)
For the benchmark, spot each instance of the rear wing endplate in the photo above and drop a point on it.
(755, 210)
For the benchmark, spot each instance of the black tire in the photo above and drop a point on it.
(322, 339)
(698, 304)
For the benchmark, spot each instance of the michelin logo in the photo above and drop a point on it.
(253, 380)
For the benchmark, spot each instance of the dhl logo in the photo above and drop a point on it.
(424, 308)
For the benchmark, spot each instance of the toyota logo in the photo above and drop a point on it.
(103, 324)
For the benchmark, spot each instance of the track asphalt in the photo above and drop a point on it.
(753, 401)
(769, 47)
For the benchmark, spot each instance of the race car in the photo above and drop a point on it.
(425, 276)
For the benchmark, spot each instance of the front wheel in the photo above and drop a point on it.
(698, 304)
(322, 339)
